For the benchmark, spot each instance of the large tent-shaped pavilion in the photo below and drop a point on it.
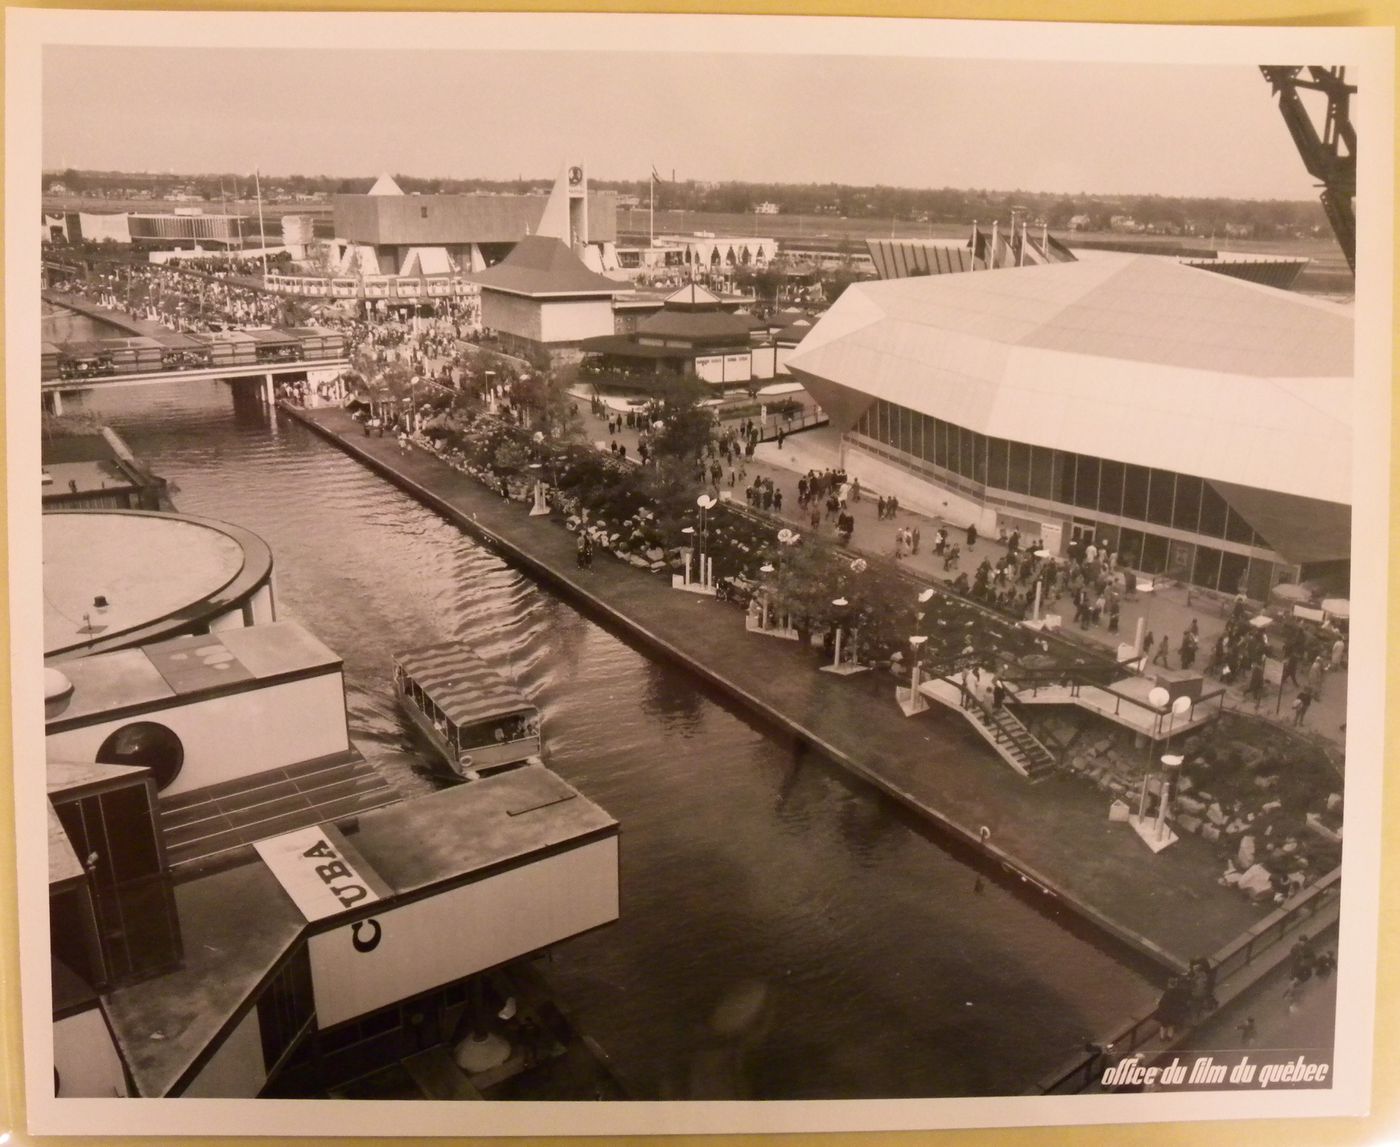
(1128, 361)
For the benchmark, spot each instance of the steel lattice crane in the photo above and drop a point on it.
(1331, 156)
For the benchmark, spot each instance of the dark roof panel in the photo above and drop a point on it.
(542, 266)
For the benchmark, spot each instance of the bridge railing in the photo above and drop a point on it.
(406, 287)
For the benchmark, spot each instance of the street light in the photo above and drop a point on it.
(840, 603)
(706, 503)
(915, 702)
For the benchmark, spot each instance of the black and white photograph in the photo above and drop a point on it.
(606, 574)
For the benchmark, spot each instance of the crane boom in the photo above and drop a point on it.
(1329, 156)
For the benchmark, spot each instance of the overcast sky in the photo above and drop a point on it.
(1100, 128)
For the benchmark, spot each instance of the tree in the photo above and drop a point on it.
(545, 394)
(688, 428)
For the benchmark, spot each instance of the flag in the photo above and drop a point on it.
(655, 177)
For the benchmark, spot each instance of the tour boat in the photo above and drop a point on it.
(474, 719)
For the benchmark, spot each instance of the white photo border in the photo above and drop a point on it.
(1367, 51)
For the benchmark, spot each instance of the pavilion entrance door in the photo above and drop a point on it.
(1081, 533)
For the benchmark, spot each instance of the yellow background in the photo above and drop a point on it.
(1383, 1124)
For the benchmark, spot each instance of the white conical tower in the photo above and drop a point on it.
(385, 185)
(566, 213)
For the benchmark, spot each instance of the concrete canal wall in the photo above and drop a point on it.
(1054, 836)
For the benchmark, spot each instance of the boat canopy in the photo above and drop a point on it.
(461, 684)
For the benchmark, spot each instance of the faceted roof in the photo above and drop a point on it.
(1131, 357)
(540, 266)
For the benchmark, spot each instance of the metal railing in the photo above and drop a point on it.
(1234, 958)
(372, 287)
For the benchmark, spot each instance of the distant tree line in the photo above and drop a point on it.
(901, 205)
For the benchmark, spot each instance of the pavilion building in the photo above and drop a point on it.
(1197, 424)
(695, 333)
(386, 232)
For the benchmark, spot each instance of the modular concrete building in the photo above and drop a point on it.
(387, 231)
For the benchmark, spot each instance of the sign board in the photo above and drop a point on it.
(446, 935)
(320, 870)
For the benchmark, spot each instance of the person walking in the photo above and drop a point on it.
(1172, 1008)
(1187, 649)
(1160, 658)
(1255, 688)
(1301, 704)
(1339, 653)
(1290, 669)
(914, 539)
(1315, 674)
(972, 535)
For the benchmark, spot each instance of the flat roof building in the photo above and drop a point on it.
(385, 229)
(115, 579)
(1197, 423)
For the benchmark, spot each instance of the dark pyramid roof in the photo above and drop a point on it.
(540, 266)
(696, 325)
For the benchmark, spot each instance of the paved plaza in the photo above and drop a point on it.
(1167, 609)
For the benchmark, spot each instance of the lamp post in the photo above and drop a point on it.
(915, 701)
(1180, 705)
(767, 568)
(1171, 769)
(706, 503)
(688, 551)
(840, 603)
(1156, 833)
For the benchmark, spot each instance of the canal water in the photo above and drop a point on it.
(786, 931)
(62, 325)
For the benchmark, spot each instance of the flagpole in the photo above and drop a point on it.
(239, 217)
(651, 212)
(262, 232)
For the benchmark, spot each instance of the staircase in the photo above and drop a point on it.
(1009, 736)
(1001, 729)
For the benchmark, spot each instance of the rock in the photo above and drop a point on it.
(1210, 832)
(1188, 823)
(1245, 857)
(1216, 815)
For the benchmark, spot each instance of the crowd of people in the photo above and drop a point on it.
(180, 298)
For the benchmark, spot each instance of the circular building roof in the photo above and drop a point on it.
(118, 578)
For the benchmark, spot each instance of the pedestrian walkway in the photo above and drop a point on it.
(1166, 610)
(1055, 837)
